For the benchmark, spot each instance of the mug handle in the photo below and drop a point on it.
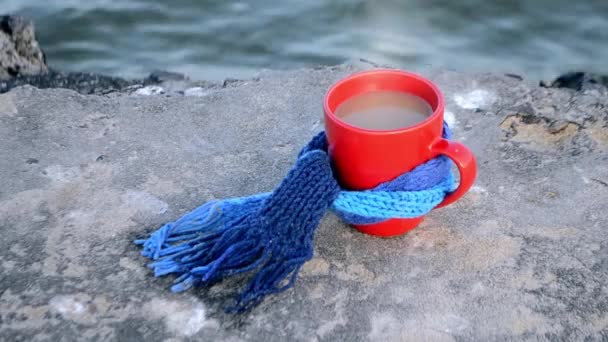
(464, 160)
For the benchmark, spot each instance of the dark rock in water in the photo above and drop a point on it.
(82, 82)
(577, 80)
(160, 76)
(92, 83)
(515, 76)
(20, 53)
(231, 81)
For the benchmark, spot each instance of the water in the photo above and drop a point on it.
(384, 110)
(223, 38)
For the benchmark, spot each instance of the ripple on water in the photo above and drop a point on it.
(215, 40)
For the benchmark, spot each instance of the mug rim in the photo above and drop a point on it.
(437, 111)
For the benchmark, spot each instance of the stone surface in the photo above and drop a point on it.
(523, 256)
(578, 80)
(20, 53)
(165, 83)
(159, 76)
(82, 82)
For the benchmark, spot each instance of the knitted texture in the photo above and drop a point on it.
(271, 234)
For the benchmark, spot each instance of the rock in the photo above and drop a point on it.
(150, 90)
(92, 83)
(82, 82)
(195, 91)
(20, 53)
(175, 84)
(515, 76)
(523, 256)
(578, 81)
(160, 76)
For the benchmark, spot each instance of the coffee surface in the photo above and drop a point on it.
(384, 110)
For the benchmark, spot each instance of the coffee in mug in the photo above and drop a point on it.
(384, 110)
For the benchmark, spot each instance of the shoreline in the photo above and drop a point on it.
(171, 83)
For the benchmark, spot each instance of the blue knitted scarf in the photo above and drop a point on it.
(271, 234)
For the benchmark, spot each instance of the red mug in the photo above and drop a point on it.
(364, 158)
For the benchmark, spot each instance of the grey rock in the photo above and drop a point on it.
(92, 83)
(20, 53)
(82, 82)
(578, 80)
(160, 76)
(523, 256)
